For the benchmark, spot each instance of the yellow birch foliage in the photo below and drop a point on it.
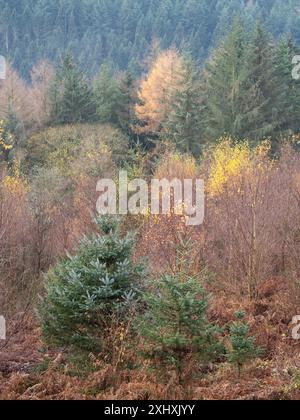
(14, 182)
(232, 161)
(5, 143)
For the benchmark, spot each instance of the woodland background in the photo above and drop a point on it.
(122, 31)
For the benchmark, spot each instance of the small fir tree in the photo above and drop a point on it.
(85, 292)
(243, 349)
(175, 327)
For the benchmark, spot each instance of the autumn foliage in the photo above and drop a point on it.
(156, 91)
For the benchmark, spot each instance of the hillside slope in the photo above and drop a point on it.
(122, 31)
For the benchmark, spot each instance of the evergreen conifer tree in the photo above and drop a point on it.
(221, 82)
(175, 326)
(259, 110)
(128, 99)
(108, 96)
(70, 95)
(183, 124)
(243, 347)
(289, 89)
(85, 292)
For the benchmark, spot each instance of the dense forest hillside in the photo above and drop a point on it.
(122, 31)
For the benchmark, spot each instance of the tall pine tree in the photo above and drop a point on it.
(247, 96)
(128, 99)
(289, 89)
(221, 82)
(183, 123)
(259, 88)
(108, 96)
(70, 95)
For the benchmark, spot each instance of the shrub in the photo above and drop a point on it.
(62, 147)
(18, 279)
(241, 225)
(87, 291)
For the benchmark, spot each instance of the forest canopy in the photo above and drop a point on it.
(122, 31)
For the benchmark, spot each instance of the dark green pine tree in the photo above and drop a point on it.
(88, 292)
(175, 326)
(71, 98)
(108, 96)
(259, 110)
(128, 99)
(221, 83)
(183, 125)
(289, 89)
